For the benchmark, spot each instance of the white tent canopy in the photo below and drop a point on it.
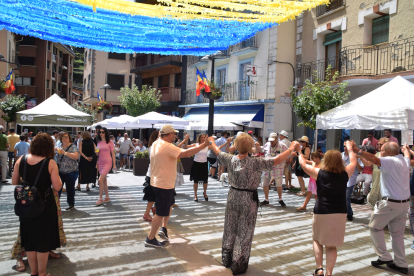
(218, 125)
(155, 118)
(54, 111)
(390, 106)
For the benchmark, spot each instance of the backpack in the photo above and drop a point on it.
(29, 202)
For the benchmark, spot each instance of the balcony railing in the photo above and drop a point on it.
(335, 4)
(362, 60)
(236, 91)
(116, 85)
(248, 43)
(64, 79)
(150, 59)
(170, 94)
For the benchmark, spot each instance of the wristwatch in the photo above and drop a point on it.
(359, 152)
(211, 143)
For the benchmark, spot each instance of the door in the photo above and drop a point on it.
(244, 82)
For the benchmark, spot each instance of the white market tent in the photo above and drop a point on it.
(390, 106)
(154, 118)
(218, 125)
(54, 111)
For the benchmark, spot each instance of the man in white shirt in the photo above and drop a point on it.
(219, 142)
(283, 137)
(140, 147)
(392, 209)
(125, 145)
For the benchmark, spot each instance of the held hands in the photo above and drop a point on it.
(206, 141)
(187, 137)
(229, 140)
(294, 146)
(210, 139)
(405, 149)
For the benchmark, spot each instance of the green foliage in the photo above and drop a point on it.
(10, 105)
(86, 109)
(142, 154)
(146, 154)
(78, 64)
(140, 102)
(2, 85)
(319, 97)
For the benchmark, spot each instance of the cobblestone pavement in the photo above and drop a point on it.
(109, 240)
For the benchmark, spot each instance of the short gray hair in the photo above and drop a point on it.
(392, 148)
(1, 128)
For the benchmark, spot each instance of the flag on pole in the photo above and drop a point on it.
(199, 82)
(100, 98)
(206, 82)
(9, 88)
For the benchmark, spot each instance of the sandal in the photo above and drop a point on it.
(107, 199)
(205, 197)
(300, 209)
(87, 189)
(99, 202)
(316, 271)
(153, 211)
(53, 255)
(147, 217)
(196, 199)
(20, 267)
(78, 188)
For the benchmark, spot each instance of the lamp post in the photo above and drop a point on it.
(105, 86)
(213, 57)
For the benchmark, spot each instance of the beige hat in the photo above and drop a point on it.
(304, 139)
(272, 137)
(167, 129)
(284, 133)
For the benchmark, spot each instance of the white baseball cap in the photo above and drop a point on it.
(284, 133)
(272, 137)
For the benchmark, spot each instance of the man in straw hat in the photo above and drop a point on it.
(273, 149)
(283, 138)
(164, 156)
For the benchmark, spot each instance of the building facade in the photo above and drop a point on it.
(368, 43)
(259, 103)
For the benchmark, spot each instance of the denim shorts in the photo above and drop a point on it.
(11, 154)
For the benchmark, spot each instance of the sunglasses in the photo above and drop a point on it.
(65, 137)
(101, 131)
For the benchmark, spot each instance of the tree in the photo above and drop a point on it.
(86, 109)
(10, 106)
(78, 65)
(140, 102)
(319, 97)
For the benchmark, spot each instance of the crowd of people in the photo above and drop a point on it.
(380, 167)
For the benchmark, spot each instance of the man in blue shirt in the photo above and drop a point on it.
(351, 182)
(21, 148)
(219, 142)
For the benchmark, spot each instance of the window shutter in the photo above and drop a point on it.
(380, 29)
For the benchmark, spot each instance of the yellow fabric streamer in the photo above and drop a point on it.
(274, 11)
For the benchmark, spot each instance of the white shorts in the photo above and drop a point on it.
(367, 178)
(267, 180)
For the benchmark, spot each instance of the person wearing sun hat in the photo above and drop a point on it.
(304, 142)
(163, 166)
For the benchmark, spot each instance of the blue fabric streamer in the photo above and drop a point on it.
(76, 24)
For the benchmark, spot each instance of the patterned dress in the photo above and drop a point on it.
(241, 208)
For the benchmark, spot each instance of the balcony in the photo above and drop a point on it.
(246, 46)
(148, 62)
(193, 61)
(64, 80)
(54, 76)
(115, 85)
(237, 91)
(65, 65)
(325, 9)
(170, 94)
(363, 60)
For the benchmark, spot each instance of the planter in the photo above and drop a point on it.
(187, 163)
(209, 96)
(140, 166)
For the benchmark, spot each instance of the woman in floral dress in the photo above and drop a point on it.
(242, 201)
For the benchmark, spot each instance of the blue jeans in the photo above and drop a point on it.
(349, 191)
(69, 179)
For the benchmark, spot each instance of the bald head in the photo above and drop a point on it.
(391, 149)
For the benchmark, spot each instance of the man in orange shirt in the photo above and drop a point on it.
(164, 156)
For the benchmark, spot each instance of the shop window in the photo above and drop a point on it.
(380, 29)
(26, 60)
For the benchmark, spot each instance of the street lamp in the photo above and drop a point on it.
(105, 86)
(213, 57)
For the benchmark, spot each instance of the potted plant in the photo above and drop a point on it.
(141, 162)
(105, 106)
(214, 94)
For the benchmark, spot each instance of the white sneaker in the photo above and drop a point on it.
(123, 168)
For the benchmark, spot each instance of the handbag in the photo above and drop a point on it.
(29, 202)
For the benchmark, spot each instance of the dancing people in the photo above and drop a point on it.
(375, 193)
(312, 190)
(106, 160)
(300, 174)
(199, 170)
(148, 191)
(243, 201)
(392, 209)
(328, 227)
(40, 234)
(164, 156)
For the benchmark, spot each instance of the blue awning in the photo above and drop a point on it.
(246, 115)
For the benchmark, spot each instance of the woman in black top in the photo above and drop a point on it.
(304, 142)
(87, 164)
(329, 219)
(40, 234)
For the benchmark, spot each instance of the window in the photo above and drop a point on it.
(116, 81)
(148, 81)
(164, 81)
(116, 56)
(59, 86)
(60, 70)
(53, 84)
(55, 50)
(70, 76)
(48, 45)
(117, 109)
(244, 83)
(221, 77)
(54, 67)
(177, 82)
(47, 84)
(24, 81)
(380, 29)
(333, 44)
(48, 65)
(27, 40)
(130, 81)
(26, 60)
(60, 54)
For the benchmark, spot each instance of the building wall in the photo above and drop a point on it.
(7, 49)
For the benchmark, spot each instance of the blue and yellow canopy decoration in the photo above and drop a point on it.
(172, 27)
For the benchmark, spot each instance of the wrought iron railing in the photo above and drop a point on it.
(362, 60)
(334, 4)
(247, 43)
(236, 91)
